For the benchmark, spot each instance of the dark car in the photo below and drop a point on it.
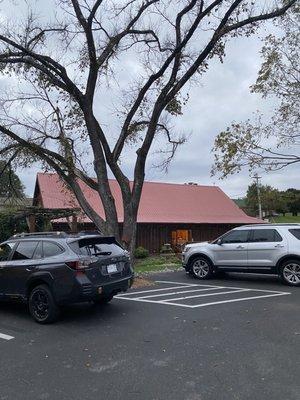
(48, 270)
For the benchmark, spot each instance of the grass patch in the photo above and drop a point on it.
(157, 263)
(287, 218)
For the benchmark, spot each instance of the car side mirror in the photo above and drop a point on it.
(219, 242)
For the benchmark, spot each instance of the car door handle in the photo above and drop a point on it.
(279, 245)
(30, 269)
(240, 247)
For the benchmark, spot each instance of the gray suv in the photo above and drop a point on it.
(263, 248)
(47, 270)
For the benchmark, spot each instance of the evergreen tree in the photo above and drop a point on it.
(11, 186)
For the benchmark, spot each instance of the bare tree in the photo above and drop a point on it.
(63, 65)
(270, 144)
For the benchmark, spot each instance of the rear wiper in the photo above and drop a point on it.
(103, 253)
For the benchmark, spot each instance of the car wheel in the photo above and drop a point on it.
(202, 268)
(42, 305)
(103, 300)
(290, 272)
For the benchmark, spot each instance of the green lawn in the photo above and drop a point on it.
(287, 218)
(157, 263)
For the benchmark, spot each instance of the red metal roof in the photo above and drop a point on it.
(160, 202)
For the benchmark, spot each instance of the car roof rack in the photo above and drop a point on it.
(89, 233)
(272, 224)
(39, 234)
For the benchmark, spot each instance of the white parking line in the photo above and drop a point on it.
(185, 291)
(148, 291)
(242, 299)
(208, 294)
(227, 287)
(6, 337)
(183, 284)
(157, 298)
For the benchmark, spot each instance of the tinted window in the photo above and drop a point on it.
(38, 251)
(235, 237)
(5, 250)
(295, 232)
(92, 248)
(265, 235)
(51, 249)
(24, 250)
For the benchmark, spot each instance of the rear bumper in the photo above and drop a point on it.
(85, 290)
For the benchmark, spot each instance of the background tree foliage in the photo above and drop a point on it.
(11, 196)
(291, 201)
(10, 184)
(273, 201)
(69, 61)
(270, 199)
(274, 144)
(9, 225)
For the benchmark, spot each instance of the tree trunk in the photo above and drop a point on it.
(129, 229)
(100, 167)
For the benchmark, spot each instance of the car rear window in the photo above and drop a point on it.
(25, 250)
(38, 254)
(265, 235)
(51, 249)
(295, 232)
(95, 247)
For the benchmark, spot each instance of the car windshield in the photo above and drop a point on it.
(95, 247)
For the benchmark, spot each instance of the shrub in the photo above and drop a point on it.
(141, 252)
(9, 225)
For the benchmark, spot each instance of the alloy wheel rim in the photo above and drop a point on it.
(201, 268)
(40, 304)
(291, 273)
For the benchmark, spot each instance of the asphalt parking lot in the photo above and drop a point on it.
(235, 338)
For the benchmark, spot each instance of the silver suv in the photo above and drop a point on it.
(263, 248)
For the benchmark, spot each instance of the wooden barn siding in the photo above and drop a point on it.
(153, 236)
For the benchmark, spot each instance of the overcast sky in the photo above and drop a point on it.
(222, 97)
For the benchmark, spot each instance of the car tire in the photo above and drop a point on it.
(103, 300)
(42, 305)
(202, 268)
(290, 272)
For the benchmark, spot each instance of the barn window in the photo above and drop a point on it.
(180, 237)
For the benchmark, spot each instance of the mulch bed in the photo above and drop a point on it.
(141, 281)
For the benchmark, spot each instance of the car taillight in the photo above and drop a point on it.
(78, 265)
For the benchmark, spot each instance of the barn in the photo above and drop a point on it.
(168, 213)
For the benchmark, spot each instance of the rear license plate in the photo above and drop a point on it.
(112, 268)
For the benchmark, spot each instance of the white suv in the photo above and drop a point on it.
(263, 248)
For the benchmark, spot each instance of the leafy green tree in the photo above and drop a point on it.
(283, 204)
(292, 198)
(274, 144)
(10, 184)
(270, 199)
(9, 225)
